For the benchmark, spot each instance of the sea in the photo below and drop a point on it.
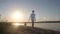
(50, 26)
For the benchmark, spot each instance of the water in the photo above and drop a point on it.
(50, 26)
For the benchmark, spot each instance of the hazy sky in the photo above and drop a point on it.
(44, 9)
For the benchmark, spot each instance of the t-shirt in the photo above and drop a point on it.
(32, 16)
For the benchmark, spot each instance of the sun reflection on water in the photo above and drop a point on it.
(16, 25)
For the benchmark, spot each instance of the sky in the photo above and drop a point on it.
(45, 10)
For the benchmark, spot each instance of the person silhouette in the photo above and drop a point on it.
(32, 17)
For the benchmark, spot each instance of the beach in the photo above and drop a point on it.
(7, 28)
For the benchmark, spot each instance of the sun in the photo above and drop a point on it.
(17, 16)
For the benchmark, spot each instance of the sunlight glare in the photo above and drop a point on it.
(17, 15)
(17, 24)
